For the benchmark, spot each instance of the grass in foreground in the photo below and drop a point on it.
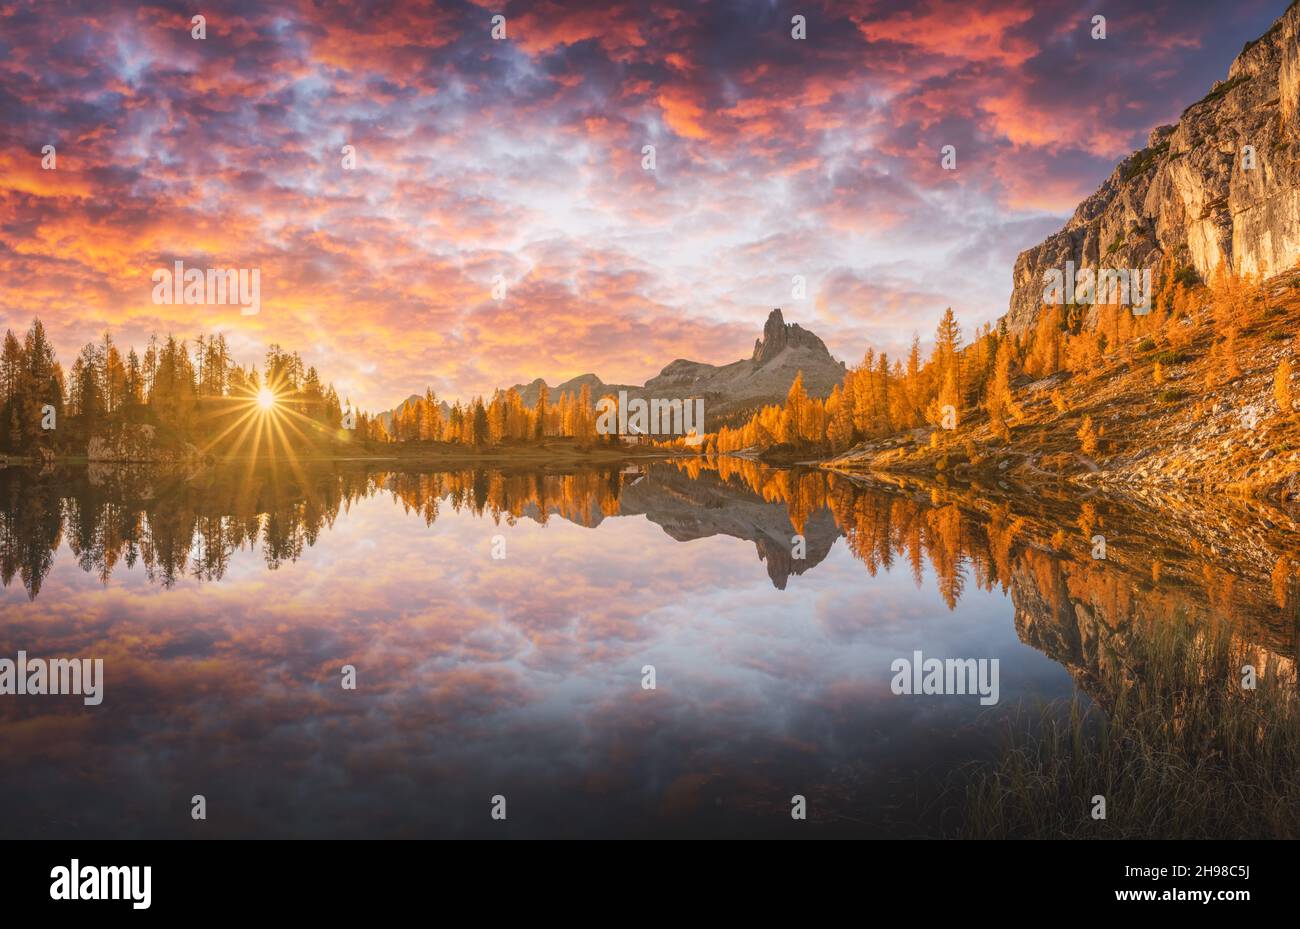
(1181, 751)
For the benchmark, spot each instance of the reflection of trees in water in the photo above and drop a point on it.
(1038, 548)
(1026, 546)
(31, 526)
(583, 497)
(194, 527)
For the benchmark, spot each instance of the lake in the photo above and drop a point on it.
(503, 627)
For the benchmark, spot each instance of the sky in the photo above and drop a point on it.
(521, 161)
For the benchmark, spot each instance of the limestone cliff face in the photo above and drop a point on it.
(1190, 194)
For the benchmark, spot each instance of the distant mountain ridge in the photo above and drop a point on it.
(780, 354)
(529, 392)
(386, 417)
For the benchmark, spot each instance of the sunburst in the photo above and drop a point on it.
(263, 423)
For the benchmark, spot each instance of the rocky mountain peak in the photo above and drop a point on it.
(779, 335)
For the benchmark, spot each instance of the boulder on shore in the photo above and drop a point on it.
(137, 443)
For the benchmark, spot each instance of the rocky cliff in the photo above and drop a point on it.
(778, 335)
(1220, 185)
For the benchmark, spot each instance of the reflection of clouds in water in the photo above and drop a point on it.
(475, 676)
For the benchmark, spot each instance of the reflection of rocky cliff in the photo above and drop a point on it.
(1086, 623)
(1166, 560)
(1070, 633)
(695, 508)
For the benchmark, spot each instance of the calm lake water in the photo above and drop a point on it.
(225, 605)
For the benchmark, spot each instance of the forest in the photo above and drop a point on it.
(198, 394)
(189, 393)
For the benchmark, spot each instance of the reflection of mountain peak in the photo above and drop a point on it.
(689, 508)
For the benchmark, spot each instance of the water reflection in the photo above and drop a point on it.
(225, 602)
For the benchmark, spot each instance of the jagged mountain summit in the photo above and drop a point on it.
(779, 335)
(1196, 193)
(765, 377)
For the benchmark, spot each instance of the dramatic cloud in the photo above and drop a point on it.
(523, 157)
